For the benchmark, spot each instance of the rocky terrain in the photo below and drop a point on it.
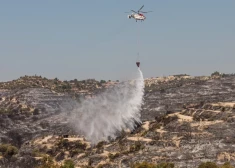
(186, 121)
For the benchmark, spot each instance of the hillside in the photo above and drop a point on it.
(186, 121)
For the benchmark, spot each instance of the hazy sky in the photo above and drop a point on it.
(95, 39)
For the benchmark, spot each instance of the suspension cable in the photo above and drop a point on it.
(138, 41)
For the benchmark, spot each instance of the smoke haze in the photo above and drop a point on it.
(112, 111)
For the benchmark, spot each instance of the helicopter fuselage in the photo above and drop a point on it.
(137, 16)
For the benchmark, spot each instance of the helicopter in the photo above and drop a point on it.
(137, 15)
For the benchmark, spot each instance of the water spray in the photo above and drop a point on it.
(115, 110)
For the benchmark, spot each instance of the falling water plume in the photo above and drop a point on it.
(116, 109)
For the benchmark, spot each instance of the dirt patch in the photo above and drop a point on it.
(146, 125)
(224, 104)
(46, 141)
(176, 140)
(139, 139)
(72, 139)
(206, 123)
(224, 156)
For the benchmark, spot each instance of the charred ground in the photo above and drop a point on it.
(186, 120)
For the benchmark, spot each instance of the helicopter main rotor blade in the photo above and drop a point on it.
(141, 8)
(146, 12)
(134, 11)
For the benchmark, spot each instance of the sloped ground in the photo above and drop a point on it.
(196, 134)
(27, 113)
(179, 92)
(185, 124)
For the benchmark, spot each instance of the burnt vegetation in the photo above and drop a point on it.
(187, 122)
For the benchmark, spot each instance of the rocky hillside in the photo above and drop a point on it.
(75, 87)
(186, 121)
(173, 93)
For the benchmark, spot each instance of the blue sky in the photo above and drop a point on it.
(95, 39)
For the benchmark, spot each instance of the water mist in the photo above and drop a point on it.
(112, 111)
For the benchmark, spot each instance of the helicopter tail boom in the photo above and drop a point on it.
(129, 16)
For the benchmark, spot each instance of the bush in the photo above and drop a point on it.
(68, 164)
(216, 73)
(74, 152)
(37, 153)
(151, 165)
(166, 165)
(47, 162)
(143, 165)
(208, 165)
(227, 165)
(154, 126)
(100, 144)
(8, 150)
(80, 145)
(102, 81)
(74, 147)
(63, 143)
(113, 156)
(136, 147)
(36, 111)
(144, 133)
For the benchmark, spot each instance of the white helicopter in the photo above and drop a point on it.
(137, 15)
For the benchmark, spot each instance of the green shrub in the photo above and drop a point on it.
(136, 147)
(154, 126)
(151, 165)
(227, 165)
(47, 162)
(63, 143)
(6, 111)
(100, 144)
(68, 164)
(102, 81)
(213, 165)
(144, 133)
(208, 165)
(80, 145)
(143, 165)
(216, 73)
(8, 150)
(113, 156)
(166, 165)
